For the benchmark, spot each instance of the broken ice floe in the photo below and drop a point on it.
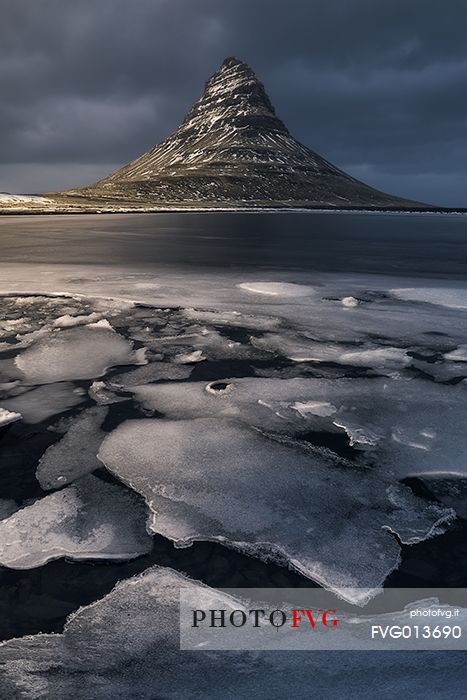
(126, 645)
(395, 425)
(10, 388)
(15, 325)
(378, 358)
(266, 404)
(447, 372)
(8, 371)
(29, 318)
(232, 318)
(200, 343)
(458, 355)
(451, 297)
(216, 480)
(153, 372)
(8, 417)
(46, 401)
(104, 323)
(90, 519)
(189, 357)
(405, 425)
(359, 436)
(76, 353)
(103, 395)
(277, 289)
(75, 454)
(448, 489)
(350, 302)
(301, 349)
(68, 321)
(315, 408)
(212, 345)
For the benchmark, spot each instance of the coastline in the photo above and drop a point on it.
(231, 210)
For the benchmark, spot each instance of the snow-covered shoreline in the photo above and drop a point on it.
(74, 211)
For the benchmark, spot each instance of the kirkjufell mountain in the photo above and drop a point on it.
(230, 151)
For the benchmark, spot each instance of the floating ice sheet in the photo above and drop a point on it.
(251, 401)
(29, 318)
(152, 372)
(451, 297)
(406, 425)
(378, 358)
(90, 519)
(187, 358)
(75, 454)
(232, 318)
(76, 353)
(458, 355)
(302, 349)
(44, 402)
(277, 289)
(442, 371)
(210, 344)
(207, 479)
(350, 302)
(314, 408)
(103, 395)
(8, 417)
(275, 405)
(448, 489)
(8, 371)
(68, 321)
(127, 645)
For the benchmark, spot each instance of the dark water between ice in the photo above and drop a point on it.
(410, 244)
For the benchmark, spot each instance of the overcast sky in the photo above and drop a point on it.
(379, 87)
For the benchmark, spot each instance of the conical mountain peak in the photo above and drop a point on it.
(234, 96)
(233, 61)
(232, 149)
(233, 68)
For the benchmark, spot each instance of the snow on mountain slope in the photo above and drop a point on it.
(232, 148)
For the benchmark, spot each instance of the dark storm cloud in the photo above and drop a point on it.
(376, 86)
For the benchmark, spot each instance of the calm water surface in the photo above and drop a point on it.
(418, 245)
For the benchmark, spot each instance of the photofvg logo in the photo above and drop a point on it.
(257, 617)
(315, 619)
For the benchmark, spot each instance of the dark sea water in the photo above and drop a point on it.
(401, 244)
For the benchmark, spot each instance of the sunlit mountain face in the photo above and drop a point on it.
(232, 149)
